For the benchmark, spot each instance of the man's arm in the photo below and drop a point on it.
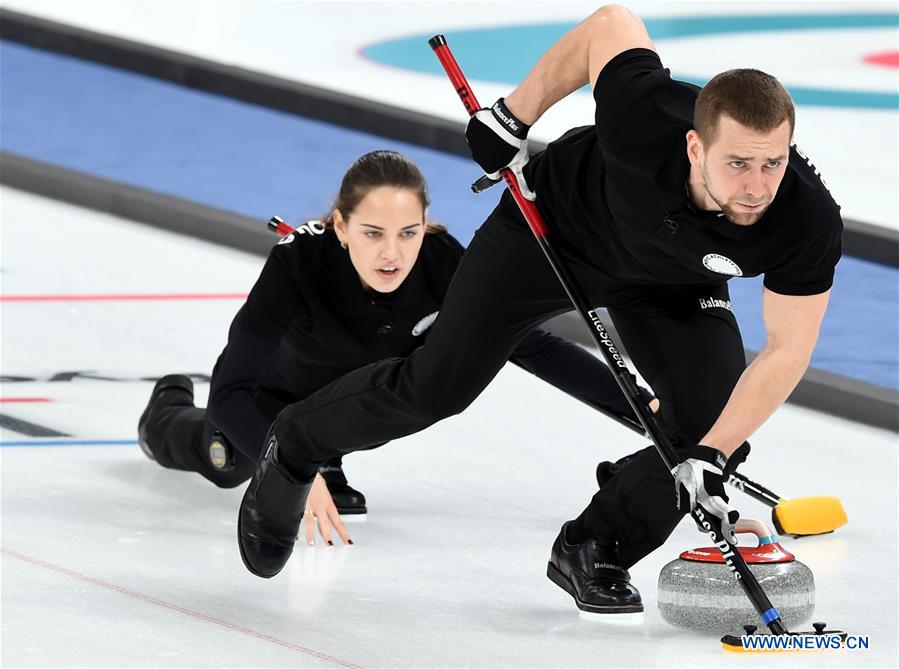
(577, 59)
(792, 323)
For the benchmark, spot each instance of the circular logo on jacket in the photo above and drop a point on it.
(721, 264)
(424, 324)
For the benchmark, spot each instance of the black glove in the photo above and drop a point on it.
(497, 139)
(699, 483)
(737, 458)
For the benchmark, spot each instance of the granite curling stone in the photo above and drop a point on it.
(698, 590)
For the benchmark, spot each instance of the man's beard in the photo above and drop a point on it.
(733, 214)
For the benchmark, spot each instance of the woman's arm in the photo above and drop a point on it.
(273, 303)
(232, 398)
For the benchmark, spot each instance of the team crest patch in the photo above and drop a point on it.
(424, 324)
(721, 264)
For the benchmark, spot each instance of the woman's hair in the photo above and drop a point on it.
(376, 169)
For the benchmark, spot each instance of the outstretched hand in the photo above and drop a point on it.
(322, 513)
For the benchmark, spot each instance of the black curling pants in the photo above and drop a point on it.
(180, 434)
(691, 356)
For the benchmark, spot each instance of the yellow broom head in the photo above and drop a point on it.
(808, 515)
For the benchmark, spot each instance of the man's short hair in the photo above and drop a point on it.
(750, 97)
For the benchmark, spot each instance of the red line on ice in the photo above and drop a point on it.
(180, 609)
(126, 297)
(25, 399)
(886, 58)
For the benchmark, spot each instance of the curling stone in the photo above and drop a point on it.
(699, 591)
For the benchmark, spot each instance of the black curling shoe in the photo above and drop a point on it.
(270, 514)
(348, 500)
(170, 389)
(590, 573)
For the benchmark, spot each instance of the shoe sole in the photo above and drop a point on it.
(352, 510)
(145, 447)
(141, 432)
(557, 577)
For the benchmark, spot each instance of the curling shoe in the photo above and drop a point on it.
(270, 514)
(170, 389)
(347, 499)
(590, 573)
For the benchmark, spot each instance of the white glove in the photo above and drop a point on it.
(699, 483)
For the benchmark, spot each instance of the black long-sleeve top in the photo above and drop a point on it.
(308, 321)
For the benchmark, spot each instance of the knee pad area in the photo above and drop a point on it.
(241, 473)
